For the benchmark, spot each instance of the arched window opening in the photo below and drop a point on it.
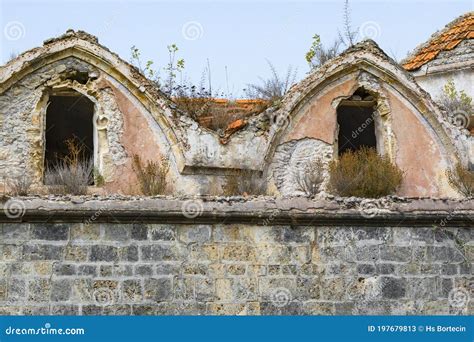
(69, 119)
(355, 117)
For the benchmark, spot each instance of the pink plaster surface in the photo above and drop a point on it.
(137, 138)
(320, 120)
(417, 154)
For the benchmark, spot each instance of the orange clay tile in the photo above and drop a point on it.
(237, 124)
(231, 129)
(447, 39)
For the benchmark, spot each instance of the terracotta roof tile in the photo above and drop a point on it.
(447, 39)
(453, 44)
(236, 112)
(232, 128)
(431, 55)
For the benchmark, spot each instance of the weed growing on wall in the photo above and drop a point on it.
(462, 179)
(151, 175)
(21, 185)
(458, 105)
(364, 173)
(71, 174)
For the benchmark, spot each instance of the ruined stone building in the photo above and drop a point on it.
(119, 113)
(64, 255)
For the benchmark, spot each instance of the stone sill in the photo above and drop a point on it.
(295, 211)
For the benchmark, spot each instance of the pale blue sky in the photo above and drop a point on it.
(236, 34)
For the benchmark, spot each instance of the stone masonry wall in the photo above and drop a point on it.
(182, 269)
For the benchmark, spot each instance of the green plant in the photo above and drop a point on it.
(319, 54)
(151, 176)
(458, 104)
(68, 179)
(173, 67)
(364, 173)
(199, 101)
(146, 70)
(462, 179)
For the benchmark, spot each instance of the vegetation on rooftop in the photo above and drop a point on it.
(318, 53)
(199, 100)
(204, 104)
(274, 88)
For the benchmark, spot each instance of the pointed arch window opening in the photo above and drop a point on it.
(69, 116)
(356, 122)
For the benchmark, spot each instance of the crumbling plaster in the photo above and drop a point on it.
(134, 117)
(312, 113)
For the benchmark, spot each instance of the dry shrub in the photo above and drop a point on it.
(20, 186)
(462, 179)
(244, 182)
(216, 114)
(72, 174)
(196, 101)
(201, 106)
(364, 173)
(69, 179)
(220, 119)
(311, 178)
(221, 115)
(151, 176)
(272, 89)
(195, 107)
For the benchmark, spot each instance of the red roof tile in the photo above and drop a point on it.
(447, 39)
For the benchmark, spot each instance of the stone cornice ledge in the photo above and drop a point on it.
(330, 211)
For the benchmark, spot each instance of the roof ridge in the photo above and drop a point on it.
(71, 33)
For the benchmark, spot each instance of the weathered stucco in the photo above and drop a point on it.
(137, 139)
(133, 117)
